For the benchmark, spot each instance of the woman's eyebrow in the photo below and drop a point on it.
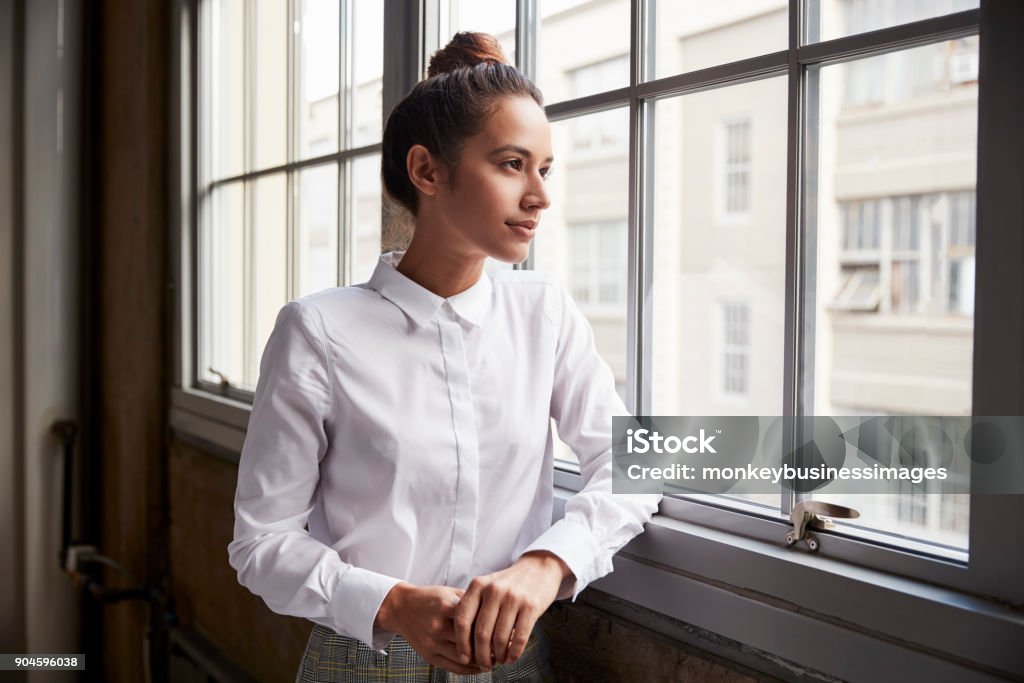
(518, 150)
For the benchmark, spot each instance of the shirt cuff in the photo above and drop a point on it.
(576, 546)
(357, 599)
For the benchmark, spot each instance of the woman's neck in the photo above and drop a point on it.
(445, 272)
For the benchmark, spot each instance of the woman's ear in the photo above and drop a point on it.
(425, 173)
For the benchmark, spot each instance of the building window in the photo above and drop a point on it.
(735, 175)
(598, 262)
(960, 253)
(907, 255)
(911, 73)
(600, 135)
(735, 348)
(861, 226)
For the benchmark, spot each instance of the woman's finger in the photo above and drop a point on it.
(447, 650)
(463, 618)
(521, 635)
(483, 630)
(453, 666)
(503, 627)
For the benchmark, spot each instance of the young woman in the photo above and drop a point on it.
(406, 420)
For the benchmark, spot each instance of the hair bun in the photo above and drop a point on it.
(466, 49)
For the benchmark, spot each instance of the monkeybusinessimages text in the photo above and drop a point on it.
(645, 441)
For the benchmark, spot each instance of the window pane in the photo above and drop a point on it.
(225, 74)
(838, 18)
(366, 74)
(365, 218)
(718, 300)
(695, 35)
(576, 36)
(270, 85)
(316, 220)
(222, 286)
(496, 17)
(582, 236)
(316, 89)
(718, 283)
(269, 265)
(893, 324)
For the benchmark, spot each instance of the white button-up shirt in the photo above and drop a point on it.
(412, 434)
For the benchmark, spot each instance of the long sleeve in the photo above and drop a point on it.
(597, 523)
(278, 477)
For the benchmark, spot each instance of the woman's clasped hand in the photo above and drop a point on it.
(468, 632)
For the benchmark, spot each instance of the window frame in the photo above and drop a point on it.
(723, 569)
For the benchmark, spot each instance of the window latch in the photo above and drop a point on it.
(224, 381)
(815, 514)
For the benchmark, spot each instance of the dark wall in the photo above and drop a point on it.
(206, 590)
(131, 188)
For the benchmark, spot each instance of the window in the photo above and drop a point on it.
(735, 163)
(928, 71)
(702, 260)
(289, 196)
(598, 262)
(901, 176)
(291, 111)
(920, 246)
(600, 135)
(859, 291)
(860, 16)
(880, 220)
(735, 347)
(960, 253)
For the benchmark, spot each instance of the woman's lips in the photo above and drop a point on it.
(523, 228)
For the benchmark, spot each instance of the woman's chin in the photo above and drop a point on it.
(515, 254)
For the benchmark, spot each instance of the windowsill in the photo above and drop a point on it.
(791, 603)
(827, 614)
(214, 422)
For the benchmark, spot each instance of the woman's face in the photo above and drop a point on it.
(494, 205)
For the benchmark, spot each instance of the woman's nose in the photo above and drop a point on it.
(537, 195)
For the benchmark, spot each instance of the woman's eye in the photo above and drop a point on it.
(545, 173)
(516, 164)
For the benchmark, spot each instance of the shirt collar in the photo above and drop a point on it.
(421, 304)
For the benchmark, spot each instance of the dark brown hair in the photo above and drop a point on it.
(465, 81)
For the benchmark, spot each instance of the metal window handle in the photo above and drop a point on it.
(815, 514)
(224, 381)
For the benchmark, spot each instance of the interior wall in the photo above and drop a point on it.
(49, 270)
(11, 578)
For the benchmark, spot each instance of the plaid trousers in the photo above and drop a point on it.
(333, 658)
